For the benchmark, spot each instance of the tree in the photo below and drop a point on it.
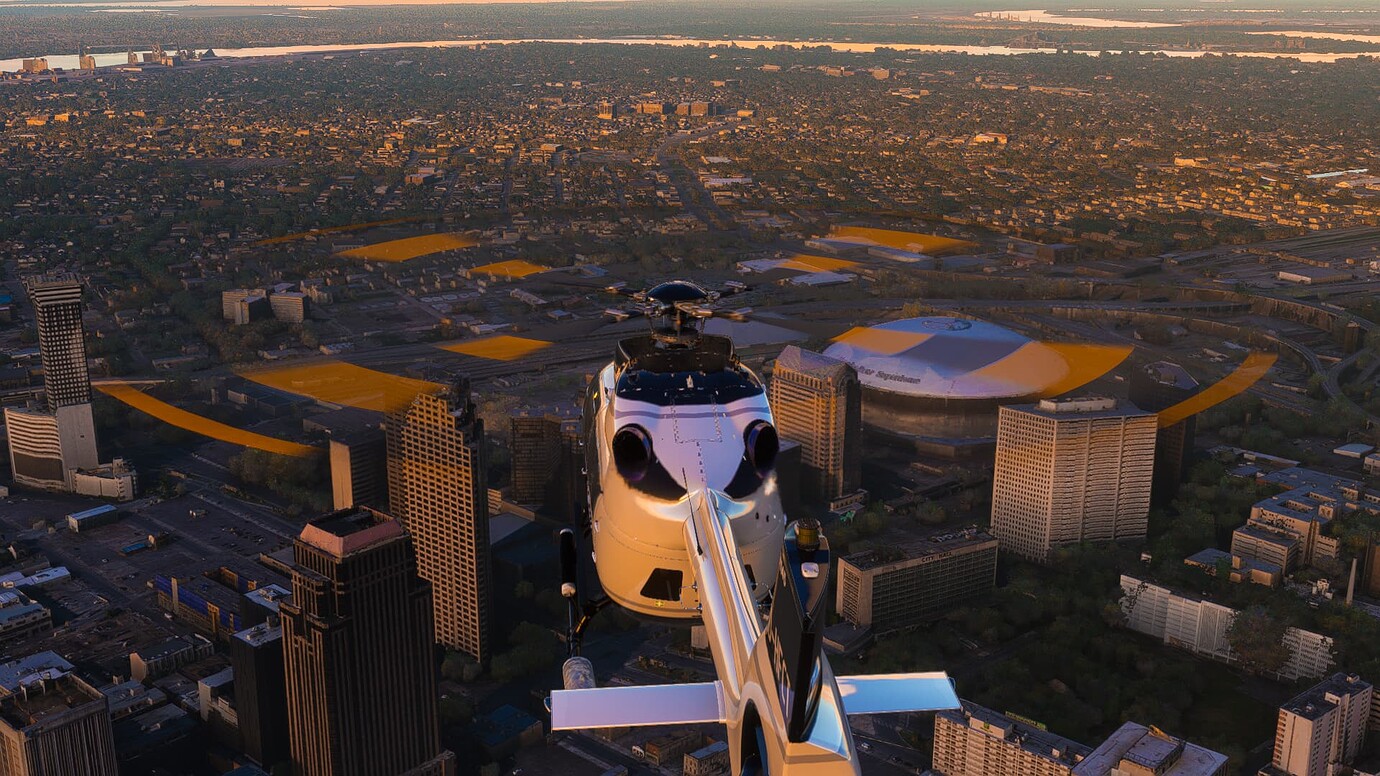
(458, 667)
(455, 712)
(1257, 637)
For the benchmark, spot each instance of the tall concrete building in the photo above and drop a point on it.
(438, 488)
(1322, 728)
(56, 725)
(359, 470)
(816, 401)
(256, 654)
(1156, 387)
(47, 444)
(976, 741)
(534, 442)
(897, 586)
(547, 462)
(359, 660)
(1070, 471)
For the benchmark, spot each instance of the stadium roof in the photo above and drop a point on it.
(957, 358)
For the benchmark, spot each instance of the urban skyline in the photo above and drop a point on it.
(363, 397)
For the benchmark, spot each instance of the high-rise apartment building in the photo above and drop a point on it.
(359, 471)
(816, 401)
(894, 587)
(256, 654)
(359, 660)
(47, 444)
(976, 741)
(61, 340)
(55, 724)
(1070, 471)
(438, 488)
(1159, 386)
(1321, 728)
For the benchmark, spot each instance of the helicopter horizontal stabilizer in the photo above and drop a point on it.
(657, 704)
(891, 693)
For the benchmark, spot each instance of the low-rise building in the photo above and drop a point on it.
(1200, 626)
(21, 617)
(1239, 569)
(898, 586)
(710, 760)
(116, 480)
(668, 749)
(168, 656)
(1138, 750)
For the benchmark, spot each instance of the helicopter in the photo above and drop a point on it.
(685, 525)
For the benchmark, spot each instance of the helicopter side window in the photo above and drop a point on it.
(663, 585)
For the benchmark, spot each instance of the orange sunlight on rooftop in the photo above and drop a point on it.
(337, 382)
(906, 241)
(513, 268)
(808, 263)
(197, 424)
(411, 247)
(502, 347)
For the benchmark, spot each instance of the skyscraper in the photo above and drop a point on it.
(361, 676)
(47, 444)
(816, 401)
(56, 725)
(547, 462)
(438, 488)
(256, 654)
(359, 475)
(1069, 471)
(61, 340)
(1156, 387)
(534, 442)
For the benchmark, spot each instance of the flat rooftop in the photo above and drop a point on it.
(42, 699)
(1151, 750)
(938, 543)
(1171, 374)
(260, 634)
(1316, 701)
(350, 530)
(16, 671)
(1081, 408)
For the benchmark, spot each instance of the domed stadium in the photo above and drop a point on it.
(937, 382)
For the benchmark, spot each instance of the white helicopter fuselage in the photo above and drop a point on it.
(696, 425)
(687, 525)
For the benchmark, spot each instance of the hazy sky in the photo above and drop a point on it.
(333, 4)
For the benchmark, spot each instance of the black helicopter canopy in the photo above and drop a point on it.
(674, 291)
